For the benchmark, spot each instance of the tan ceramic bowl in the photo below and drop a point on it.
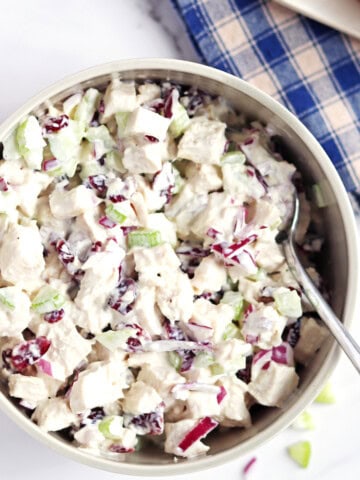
(340, 267)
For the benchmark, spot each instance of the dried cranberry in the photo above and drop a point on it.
(117, 198)
(101, 106)
(245, 373)
(187, 359)
(133, 344)
(6, 357)
(96, 246)
(54, 124)
(148, 423)
(294, 333)
(98, 183)
(54, 316)
(28, 353)
(124, 296)
(64, 252)
(151, 139)
(114, 448)
(174, 332)
(168, 104)
(96, 414)
(3, 185)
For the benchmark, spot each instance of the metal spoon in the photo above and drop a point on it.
(287, 239)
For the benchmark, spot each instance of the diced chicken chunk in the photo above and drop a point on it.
(203, 178)
(209, 276)
(30, 389)
(146, 313)
(101, 277)
(312, 336)
(233, 409)
(203, 141)
(201, 404)
(151, 263)
(266, 325)
(119, 97)
(68, 348)
(141, 398)
(175, 433)
(273, 386)
(174, 296)
(162, 379)
(67, 204)
(54, 414)
(99, 384)
(146, 122)
(143, 158)
(21, 256)
(231, 354)
(14, 311)
(215, 316)
(184, 207)
(220, 213)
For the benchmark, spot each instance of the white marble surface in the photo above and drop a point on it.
(43, 41)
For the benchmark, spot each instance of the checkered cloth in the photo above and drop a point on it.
(311, 69)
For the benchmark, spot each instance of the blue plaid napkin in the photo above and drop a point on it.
(311, 69)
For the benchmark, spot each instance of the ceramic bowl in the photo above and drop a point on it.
(340, 265)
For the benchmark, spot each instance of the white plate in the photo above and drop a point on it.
(343, 15)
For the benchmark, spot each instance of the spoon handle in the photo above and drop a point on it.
(342, 336)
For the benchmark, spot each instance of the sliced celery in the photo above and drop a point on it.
(180, 121)
(111, 427)
(288, 303)
(326, 395)
(233, 157)
(144, 238)
(114, 214)
(235, 300)
(47, 300)
(300, 452)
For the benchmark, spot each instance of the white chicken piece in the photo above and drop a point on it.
(145, 311)
(266, 325)
(99, 384)
(220, 213)
(203, 141)
(203, 178)
(312, 336)
(67, 350)
(101, 277)
(233, 407)
(53, 415)
(174, 295)
(216, 317)
(175, 433)
(184, 208)
(21, 256)
(14, 311)
(209, 276)
(231, 354)
(68, 204)
(119, 97)
(141, 398)
(162, 379)
(273, 386)
(146, 122)
(145, 158)
(31, 389)
(152, 263)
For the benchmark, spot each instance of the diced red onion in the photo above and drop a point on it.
(45, 366)
(221, 395)
(50, 164)
(3, 185)
(106, 222)
(249, 465)
(205, 426)
(54, 124)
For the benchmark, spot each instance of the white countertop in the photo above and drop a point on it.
(43, 41)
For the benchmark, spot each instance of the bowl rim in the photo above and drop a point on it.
(351, 300)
